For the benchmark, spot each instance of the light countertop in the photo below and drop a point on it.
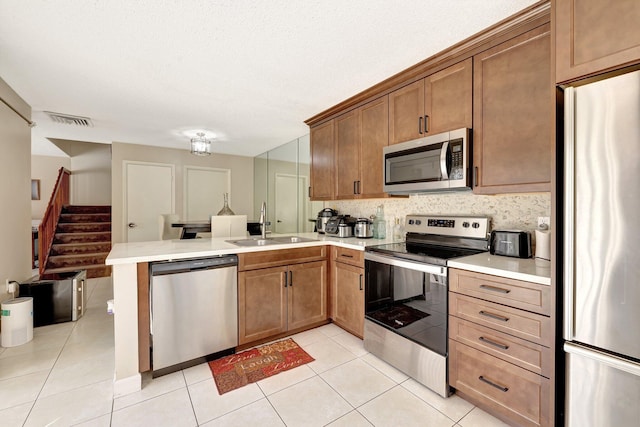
(128, 253)
(529, 270)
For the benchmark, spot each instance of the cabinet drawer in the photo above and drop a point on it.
(527, 355)
(528, 326)
(349, 256)
(263, 259)
(512, 392)
(516, 293)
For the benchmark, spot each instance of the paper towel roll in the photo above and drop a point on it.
(543, 244)
(17, 321)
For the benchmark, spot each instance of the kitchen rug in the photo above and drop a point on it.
(237, 370)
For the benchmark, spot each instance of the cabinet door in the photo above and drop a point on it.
(307, 294)
(593, 36)
(448, 101)
(262, 303)
(348, 153)
(322, 154)
(512, 115)
(374, 136)
(406, 108)
(348, 298)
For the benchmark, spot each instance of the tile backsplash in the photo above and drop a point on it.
(507, 211)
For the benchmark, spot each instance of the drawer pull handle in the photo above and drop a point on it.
(493, 343)
(494, 316)
(495, 289)
(346, 256)
(491, 383)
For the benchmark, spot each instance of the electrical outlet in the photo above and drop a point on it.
(544, 220)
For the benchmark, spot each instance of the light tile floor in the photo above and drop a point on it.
(64, 377)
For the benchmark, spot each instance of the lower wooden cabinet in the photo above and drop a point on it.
(275, 300)
(515, 393)
(347, 290)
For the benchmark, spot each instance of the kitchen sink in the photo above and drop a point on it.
(270, 241)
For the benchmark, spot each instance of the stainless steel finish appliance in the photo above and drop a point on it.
(439, 162)
(406, 294)
(194, 311)
(363, 228)
(340, 226)
(601, 255)
(57, 298)
(323, 217)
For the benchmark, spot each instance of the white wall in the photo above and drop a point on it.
(240, 198)
(15, 189)
(45, 168)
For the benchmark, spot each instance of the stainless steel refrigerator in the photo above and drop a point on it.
(602, 252)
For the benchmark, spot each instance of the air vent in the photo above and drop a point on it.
(68, 119)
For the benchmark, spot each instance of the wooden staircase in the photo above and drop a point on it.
(82, 241)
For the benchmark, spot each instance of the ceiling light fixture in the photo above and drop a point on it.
(200, 145)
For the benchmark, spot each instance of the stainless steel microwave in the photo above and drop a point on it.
(439, 162)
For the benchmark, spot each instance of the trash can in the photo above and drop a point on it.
(17, 321)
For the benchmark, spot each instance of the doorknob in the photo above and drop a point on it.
(278, 221)
(132, 225)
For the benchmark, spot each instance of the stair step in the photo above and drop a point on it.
(79, 248)
(80, 227)
(95, 270)
(84, 217)
(86, 209)
(102, 236)
(76, 261)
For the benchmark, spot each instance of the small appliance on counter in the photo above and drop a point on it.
(323, 217)
(513, 243)
(363, 228)
(340, 226)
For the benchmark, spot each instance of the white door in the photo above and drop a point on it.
(149, 192)
(204, 190)
(288, 192)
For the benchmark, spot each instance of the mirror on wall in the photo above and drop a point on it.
(281, 178)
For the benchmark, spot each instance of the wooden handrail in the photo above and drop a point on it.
(47, 229)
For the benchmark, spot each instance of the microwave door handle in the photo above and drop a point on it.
(443, 160)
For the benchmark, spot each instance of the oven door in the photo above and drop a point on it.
(408, 298)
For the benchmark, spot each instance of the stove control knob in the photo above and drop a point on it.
(476, 225)
(410, 222)
(465, 224)
(418, 222)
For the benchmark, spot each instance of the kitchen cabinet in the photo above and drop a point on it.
(512, 115)
(322, 161)
(500, 338)
(594, 36)
(437, 103)
(360, 137)
(274, 299)
(347, 290)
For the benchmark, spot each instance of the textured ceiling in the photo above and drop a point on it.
(250, 72)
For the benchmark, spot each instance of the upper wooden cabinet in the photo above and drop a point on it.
(512, 115)
(437, 103)
(322, 157)
(360, 136)
(593, 36)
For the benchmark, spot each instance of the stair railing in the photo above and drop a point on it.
(47, 229)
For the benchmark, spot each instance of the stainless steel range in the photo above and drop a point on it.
(406, 301)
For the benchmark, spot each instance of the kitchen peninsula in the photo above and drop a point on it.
(125, 259)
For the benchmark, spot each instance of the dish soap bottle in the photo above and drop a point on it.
(380, 225)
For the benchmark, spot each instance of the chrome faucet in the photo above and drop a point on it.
(263, 220)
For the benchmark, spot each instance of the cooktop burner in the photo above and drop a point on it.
(436, 239)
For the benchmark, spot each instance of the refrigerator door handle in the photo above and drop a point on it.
(606, 359)
(569, 214)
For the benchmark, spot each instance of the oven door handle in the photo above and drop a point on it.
(425, 268)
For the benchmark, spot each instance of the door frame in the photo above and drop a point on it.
(125, 190)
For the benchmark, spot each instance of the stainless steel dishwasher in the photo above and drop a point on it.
(194, 311)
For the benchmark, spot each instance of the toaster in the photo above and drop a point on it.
(513, 243)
